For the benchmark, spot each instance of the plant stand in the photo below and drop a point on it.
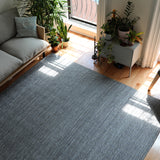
(127, 56)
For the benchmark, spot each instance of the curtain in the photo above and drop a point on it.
(103, 8)
(152, 46)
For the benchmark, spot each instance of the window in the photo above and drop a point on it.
(83, 10)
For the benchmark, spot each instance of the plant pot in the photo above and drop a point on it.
(55, 48)
(64, 44)
(122, 32)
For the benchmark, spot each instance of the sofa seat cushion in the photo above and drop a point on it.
(8, 64)
(24, 48)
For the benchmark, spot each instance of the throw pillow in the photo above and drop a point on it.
(26, 26)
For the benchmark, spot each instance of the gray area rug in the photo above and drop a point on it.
(62, 111)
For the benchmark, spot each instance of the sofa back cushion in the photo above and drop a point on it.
(7, 24)
(26, 27)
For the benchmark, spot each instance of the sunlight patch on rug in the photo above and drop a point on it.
(138, 107)
(48, 71)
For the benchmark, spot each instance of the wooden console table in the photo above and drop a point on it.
(127, 56)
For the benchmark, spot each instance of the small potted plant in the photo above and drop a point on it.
(108, 55)
(110, 58)
(53, 40)
(100, 45)
(63, 33)
(110, 27)
(133, 36)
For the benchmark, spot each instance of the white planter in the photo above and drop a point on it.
(123, 36)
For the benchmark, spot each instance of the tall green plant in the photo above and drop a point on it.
(127, 20)
(48, 12)
(63, 31)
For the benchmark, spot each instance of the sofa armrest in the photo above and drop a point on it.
(41, 32)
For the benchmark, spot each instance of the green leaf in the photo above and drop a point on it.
(69, 27)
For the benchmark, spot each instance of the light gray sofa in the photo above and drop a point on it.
(17, 53)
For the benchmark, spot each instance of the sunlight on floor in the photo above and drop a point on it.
(69, 52)
(48, 71)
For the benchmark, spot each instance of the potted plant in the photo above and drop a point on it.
(128, 21)
(133, 36)
(48, 12)
(108, 55)
(100, 45)
(110, 27)
(110, 58)
(53, 40)
(63, 33)
(117, 26)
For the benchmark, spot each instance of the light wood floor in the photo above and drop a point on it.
(81, 49)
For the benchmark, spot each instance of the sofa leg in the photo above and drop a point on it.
(44, 55)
